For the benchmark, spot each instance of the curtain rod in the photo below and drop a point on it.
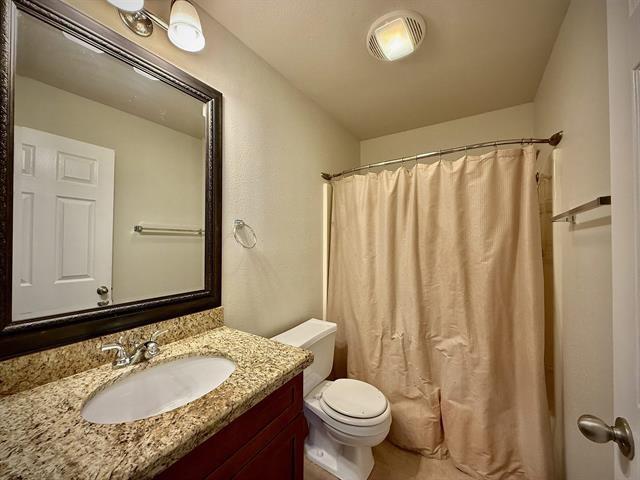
(552, 140)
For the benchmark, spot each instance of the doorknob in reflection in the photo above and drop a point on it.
(102, 290)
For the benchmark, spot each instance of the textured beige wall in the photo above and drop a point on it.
(275, 144)
(513, 122)
(148, 187)
(573, 96)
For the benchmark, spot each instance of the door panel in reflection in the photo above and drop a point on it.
(63, 223)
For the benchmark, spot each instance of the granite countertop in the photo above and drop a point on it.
(44, 436)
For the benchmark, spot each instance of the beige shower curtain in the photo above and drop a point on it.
(436, 285)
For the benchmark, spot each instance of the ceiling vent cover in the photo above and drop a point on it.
(396, 35)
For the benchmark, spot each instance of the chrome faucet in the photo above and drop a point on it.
(141, 351)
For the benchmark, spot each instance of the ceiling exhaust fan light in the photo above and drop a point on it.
(185, 31)
(394, 39)
(128, 5)
(396, 35)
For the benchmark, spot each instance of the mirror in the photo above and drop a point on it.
(104, 153)
(115, 170)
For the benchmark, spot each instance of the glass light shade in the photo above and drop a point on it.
(394, 39)
(128, 5)
(185, 31)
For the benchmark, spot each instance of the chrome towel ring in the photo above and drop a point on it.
(239, 225)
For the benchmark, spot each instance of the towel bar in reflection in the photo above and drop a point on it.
(167, 230)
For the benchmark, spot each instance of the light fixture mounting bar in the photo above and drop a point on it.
(156, 19)
(141, 22)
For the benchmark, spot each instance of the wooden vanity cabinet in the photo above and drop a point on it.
(266, 443)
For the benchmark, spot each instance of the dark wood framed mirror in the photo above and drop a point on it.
(28, 36)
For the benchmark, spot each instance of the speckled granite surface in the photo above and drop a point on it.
(29, 371)
(44, 436)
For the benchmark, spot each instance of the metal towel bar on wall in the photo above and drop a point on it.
(570, 215)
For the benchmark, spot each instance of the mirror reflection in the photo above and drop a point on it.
(109, 178)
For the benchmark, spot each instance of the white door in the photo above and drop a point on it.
(62, 224)
(623, 25)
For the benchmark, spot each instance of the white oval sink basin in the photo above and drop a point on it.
(157, 389)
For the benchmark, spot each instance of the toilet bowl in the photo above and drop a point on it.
(339, 443)
(346, 417)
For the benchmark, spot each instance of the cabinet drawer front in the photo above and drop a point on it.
(243, 438)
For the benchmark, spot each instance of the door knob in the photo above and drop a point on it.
(102, 290)
(597, 431)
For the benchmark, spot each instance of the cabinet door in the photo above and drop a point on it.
(282, 459)
(226, 453)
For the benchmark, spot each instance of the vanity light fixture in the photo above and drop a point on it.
(395, 35)
(184, 28)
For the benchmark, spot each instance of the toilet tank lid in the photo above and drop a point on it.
(306, 333)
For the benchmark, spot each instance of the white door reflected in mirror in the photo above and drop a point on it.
(99, 149)
(63, 223)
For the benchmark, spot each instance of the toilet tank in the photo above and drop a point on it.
(319, 337)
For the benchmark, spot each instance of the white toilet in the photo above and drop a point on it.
(346, 417)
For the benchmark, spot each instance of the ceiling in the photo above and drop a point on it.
(46, 55)
(477, 56)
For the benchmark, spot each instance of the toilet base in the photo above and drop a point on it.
(343, 461)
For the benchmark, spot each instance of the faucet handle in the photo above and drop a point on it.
(122, 358)
(156, 334)
(152, 347)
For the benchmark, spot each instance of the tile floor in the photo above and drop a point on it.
(393, 463)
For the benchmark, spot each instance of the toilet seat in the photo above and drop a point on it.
(355, 424)
(357, 427)
(314, 406)
(355, 399)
